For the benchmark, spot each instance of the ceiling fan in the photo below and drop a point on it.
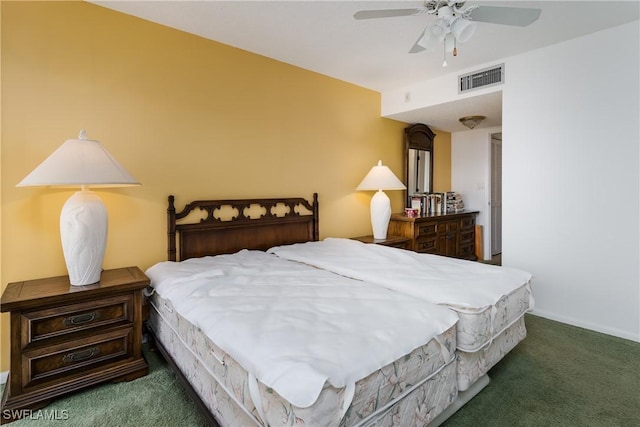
(455, 21)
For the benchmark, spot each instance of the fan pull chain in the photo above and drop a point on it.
(444, 52)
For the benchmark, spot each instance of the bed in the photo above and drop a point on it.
(489, 300)
(216, 260)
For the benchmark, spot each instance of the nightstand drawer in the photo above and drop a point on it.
(81, 354)
(47, 323)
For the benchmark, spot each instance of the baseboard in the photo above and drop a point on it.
(3, 377)
(586, 325)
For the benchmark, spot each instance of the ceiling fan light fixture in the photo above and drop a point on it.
(439, 29)
(428, 41)
(463, 29)
(471, 121)
(445, 12)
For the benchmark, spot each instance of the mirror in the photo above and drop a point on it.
(418, 160)
(419, 169)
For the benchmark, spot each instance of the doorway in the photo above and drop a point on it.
(496, 195)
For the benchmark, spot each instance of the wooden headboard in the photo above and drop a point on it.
(249, 224)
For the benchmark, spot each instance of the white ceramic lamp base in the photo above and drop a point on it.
(83, 230)
(380, 214)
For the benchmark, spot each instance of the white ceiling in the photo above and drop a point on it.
(323, 36)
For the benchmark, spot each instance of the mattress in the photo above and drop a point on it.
(478, 328)
(471, 366)
(236, 324)
(411, 391)
(488, 299)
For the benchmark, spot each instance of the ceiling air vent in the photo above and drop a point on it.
(483, 78)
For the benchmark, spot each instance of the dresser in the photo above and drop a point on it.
(65, 338)
(451, 235)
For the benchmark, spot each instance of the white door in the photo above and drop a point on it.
(496, 194)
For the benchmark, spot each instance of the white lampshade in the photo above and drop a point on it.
(380, 178)
(83, 221)
(79, 162)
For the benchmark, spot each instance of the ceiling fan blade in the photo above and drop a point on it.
(517, 16)
(417, 47)
(385, 13)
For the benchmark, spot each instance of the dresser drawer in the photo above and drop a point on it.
(428, 245)
(467, 237)
(426, 229)
(72, 356)
(48, 323)
(467, 251)
(468, 222)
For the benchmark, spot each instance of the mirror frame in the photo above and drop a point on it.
(418, 137)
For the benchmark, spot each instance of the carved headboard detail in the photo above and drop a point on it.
(231, 225)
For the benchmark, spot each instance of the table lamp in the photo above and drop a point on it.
(380, 178)
(81, 163)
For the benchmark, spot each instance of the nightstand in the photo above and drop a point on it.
(393, 241)
(65, 338)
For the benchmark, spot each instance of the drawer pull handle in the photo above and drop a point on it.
(81, 355)
(80, 319)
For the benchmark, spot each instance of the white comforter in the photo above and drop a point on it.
(292, 326)
(437, 279)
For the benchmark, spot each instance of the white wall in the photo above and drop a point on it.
(432, 92)
(571, 180)
(571, 175)
(470, 176)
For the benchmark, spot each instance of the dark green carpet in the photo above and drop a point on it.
(156, 399)
(559, 375)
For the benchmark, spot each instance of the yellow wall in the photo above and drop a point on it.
(186, 116)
